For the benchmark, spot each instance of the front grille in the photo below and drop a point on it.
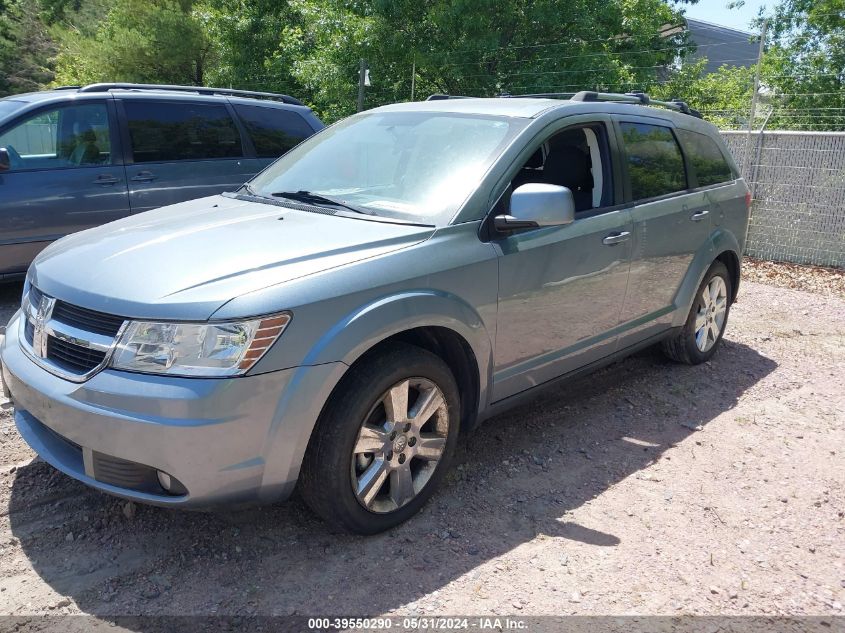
(71, 357)
(125, 474)
(86, 319)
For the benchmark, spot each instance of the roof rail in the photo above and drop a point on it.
(540, 95)
(105, 87)
(441, 97)
(66, 88)
(639, 98)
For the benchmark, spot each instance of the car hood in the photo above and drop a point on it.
(186, 260)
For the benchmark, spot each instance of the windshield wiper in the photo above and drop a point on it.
(316, 198)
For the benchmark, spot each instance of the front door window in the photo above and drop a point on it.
(60, 138)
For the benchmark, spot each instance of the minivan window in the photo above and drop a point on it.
(706, 158)
(655, 162)
(164, 132)
(273, 131)
(71, 136)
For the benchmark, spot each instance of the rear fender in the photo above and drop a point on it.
(719, 242)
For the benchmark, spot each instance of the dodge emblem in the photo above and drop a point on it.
(39, 337)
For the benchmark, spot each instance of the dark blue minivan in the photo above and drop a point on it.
(73, 158)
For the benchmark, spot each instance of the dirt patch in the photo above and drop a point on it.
(818, 279)
(648, 488)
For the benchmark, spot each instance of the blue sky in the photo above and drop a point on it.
(716, 11)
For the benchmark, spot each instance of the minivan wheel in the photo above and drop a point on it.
(384, 440)
(705, 326)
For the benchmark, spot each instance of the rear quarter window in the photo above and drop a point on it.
(706, 158)
(273, 131)
(655, 162)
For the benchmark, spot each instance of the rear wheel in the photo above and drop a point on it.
(705, 326)
(384, 441)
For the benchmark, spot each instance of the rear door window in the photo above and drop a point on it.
(273, 131)
(707, 160)
(655, 162)
(165, 132)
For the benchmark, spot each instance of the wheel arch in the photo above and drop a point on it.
(437, 321)
(722, 246)
(455, 351)
(731, 261)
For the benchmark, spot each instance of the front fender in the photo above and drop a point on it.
(345, 342)
(362, 329)
(719, 241)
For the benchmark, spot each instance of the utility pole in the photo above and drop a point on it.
(362, 78)
(413, 74)
(754, 96)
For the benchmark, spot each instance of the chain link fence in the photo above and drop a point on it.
(797, 181)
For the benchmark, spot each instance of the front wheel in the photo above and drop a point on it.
(384, 441)
(702, 333)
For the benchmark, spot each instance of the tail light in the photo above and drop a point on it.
(748, 199)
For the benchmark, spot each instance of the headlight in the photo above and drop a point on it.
(197, 349)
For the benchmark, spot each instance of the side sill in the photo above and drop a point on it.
(523, 396)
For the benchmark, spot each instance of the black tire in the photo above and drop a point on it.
(682, 347)
(325, 481)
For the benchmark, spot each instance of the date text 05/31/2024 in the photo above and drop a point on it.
(419, 623)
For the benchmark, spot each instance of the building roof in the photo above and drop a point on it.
(722, 45)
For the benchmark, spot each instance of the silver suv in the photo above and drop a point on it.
(395, 279)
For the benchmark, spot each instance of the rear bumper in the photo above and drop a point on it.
(225, 440)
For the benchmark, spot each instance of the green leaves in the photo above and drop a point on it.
(311, 49)
(157, 41)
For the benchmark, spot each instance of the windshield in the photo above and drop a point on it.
(417, 166)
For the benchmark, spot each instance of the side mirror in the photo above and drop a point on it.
(5, 159)
(536, 205)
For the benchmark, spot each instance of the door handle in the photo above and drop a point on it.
(144, 176)
(616, 238)
(106, 179)
(700, 215)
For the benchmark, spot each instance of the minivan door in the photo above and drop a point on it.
(671, 222)
(179, 149)
(65, 176)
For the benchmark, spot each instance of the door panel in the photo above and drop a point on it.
(62, 179)
(561, 290)
(180, 150)
(153, 185)
(670, 223)
(667, 234)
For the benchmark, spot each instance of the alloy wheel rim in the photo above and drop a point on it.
(710, 317)
(399, 445)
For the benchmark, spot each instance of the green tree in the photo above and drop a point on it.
(476, 47)
(156, 41)
(247, 34)
(26, 48)
(805, 64)
(723, 97)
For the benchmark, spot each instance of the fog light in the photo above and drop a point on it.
(171, 484)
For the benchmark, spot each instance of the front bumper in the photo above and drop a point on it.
(225, 440)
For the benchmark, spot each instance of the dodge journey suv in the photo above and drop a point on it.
(76, 157)
(395, 279)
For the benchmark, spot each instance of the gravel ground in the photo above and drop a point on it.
(648, 488)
